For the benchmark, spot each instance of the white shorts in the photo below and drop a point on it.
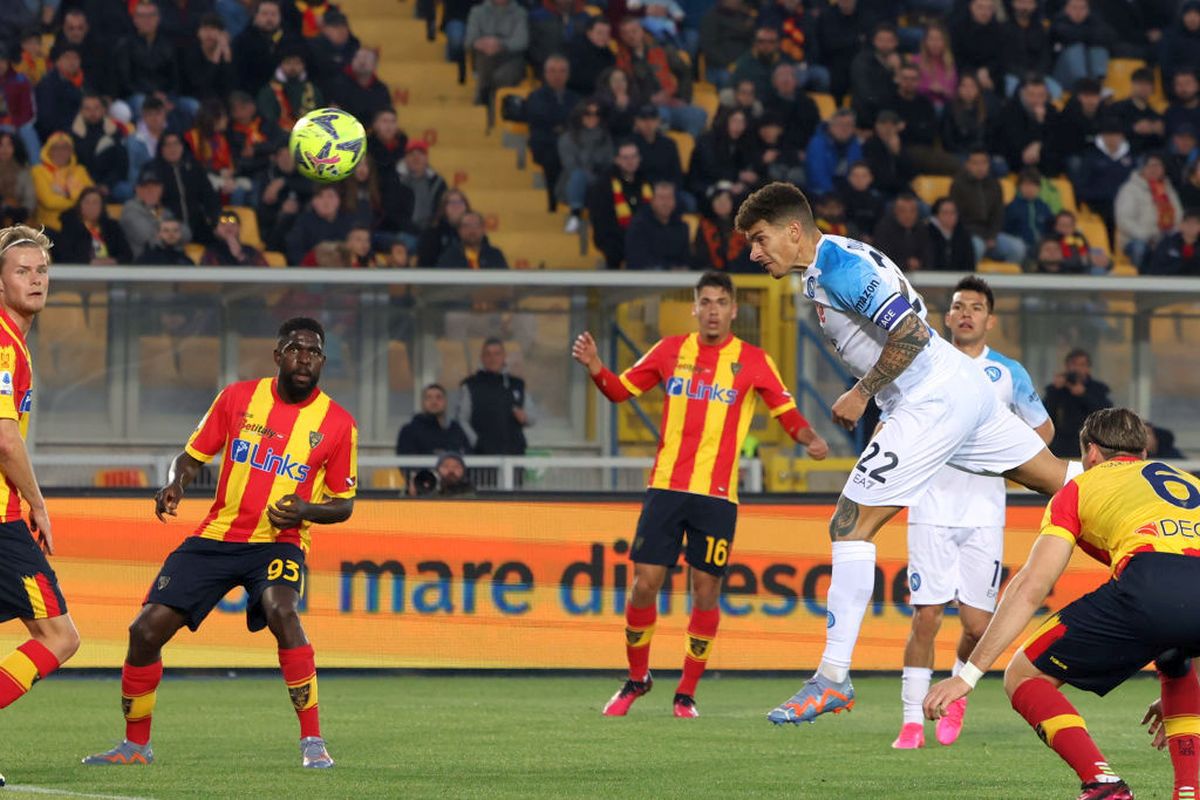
(961, 564)
(963, 424)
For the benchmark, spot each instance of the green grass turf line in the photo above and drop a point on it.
(533, 737)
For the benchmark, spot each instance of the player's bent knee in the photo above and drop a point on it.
(1019, 670)
(1173, 663)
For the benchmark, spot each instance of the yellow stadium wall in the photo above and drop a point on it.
(500, 585)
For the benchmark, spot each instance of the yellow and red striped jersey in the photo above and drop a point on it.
(710, 397)
(16, 400)
(1125, 506)
(271, 449)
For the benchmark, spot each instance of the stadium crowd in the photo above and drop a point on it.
(1001, 107)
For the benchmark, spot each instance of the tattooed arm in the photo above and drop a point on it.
(904, 343)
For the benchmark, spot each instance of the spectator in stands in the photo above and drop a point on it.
(227, 248)
(206, 65)
(661, 19)
(614, 199)
(902, 236)
(657, 237)
(1049, 258)
(619, 101)
(186, 188)
(873, 74)
(773, 160)
(378, 201)
(1026, 47)
(166, 249)
(918, 134)
(1104, 168)
(1185, 107)
(398, 257)
(58, 181)
(146, 62)
(1181, 153)
(584, 149)
(323, 221)
(798, 41)
(1081, 40)
(32, 62)
(1160, 442)
(472, 250)
(794, 108)
(142, 144)
(289, 94)
(431, 431)
(937, 78)
(590, 56)
(864, 203)
(726, 32)
(443, 230)
(1076, 253)
(1137, 26)
(497, 37)
(1025, 129)
(385, 140)
(358, 89)
(977, 41)
(1027, 217)
(659, 153)
(744, 97)
(1178, 253)
(454, 25)
(718, 244)
(841, 31)
(251, 140)
(724, 153)
(99, 148)
(1189, 191)
(884, 153)
(494, 407)
(331, 52)
(759, 62)
(547, 109)
(140, 215)
(211, 149)
(1147, 209)
(95, 54)
(979, 202)
(830, 215)
(281, 193)
(59, 94)
(257, 50)
(659, 76)
(16, 108)
(950, 244)
(1078, 123)
(551, 26)
(1180, 47)
(358, 243)
(831, 151)
(426, 184)
(182, 18)
(1071, 396)
(1143, 125)
(89, 235)
(17, 197)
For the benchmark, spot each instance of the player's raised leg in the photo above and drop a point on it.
(641, 615)
(141, 674)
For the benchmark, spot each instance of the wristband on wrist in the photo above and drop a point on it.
(970, 674)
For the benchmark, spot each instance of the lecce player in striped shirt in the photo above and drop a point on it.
(28, 588)
(289, 459)
(711, 379)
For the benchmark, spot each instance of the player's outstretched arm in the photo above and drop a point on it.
(904, 343)
(182, 472)
(15, 464)
(584, 351)
(290, 511)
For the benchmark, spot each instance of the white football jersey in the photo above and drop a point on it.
(959, 499)
(860, 296)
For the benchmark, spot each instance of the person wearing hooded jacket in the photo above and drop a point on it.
(58, 180)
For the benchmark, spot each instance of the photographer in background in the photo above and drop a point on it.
(447, 479)
(1070, 398)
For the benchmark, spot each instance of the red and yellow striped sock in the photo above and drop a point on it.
(24, 667)
(1181, 718)
(639, 630)
(702, 629)
(139, 693)
(1059, 725)
(300, 674)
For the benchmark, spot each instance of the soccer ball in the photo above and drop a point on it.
(327, 144)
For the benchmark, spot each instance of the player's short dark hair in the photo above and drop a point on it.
(776, 203)
(1114, 430)
(301, 324)
(719, 280)
(974, 283)
(1078, 352)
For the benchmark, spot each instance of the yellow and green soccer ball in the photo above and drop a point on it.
(327, 144)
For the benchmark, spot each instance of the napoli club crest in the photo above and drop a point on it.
(993, 373)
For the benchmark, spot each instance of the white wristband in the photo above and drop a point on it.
(970, 674)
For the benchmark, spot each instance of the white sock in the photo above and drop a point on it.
(850, 588)
(1074, 469)
(958, 665)
(914, 685)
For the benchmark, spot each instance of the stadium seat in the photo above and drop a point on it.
(400, 377)
(114, 210)
(255, 357)
(1008, 188)
(275, 258)
(72, 339)
(825, 103)
(686, 144)
(693, 222)
(388, 478)
(1120, 75)
(118, 478)
(930, 187)
(194, 251)
(1066, 192)
(452, 362)
(998, 267)
(1094, 230)
(705, 96)
(179, 362)
(248, 220)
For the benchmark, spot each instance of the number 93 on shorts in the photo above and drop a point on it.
(669, 517)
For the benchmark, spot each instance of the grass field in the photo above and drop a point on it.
(530, 737)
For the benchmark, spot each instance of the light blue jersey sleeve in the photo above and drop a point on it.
(1025, 399)
(854, 286)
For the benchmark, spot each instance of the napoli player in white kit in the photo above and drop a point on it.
(956, 531)
(940, 408)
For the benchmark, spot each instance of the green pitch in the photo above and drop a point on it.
(527, 737)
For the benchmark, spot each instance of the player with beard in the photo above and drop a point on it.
(289, 459)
